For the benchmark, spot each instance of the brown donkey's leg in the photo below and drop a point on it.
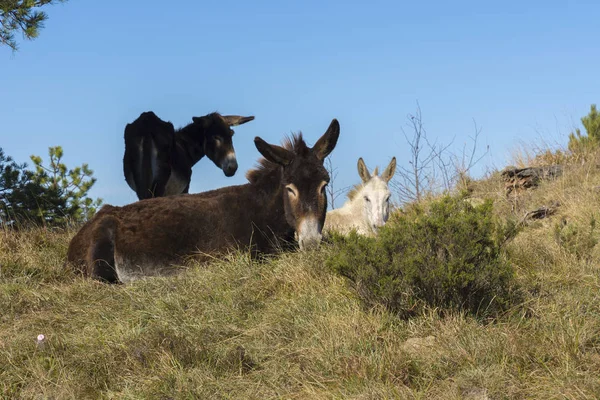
(101, 253)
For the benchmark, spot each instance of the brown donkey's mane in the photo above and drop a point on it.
(265, 168)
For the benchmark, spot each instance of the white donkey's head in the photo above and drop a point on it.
(375, 194)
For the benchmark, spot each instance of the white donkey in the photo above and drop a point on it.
(368, 207)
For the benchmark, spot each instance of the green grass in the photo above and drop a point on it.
(289, 328)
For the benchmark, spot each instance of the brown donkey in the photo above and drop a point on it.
(285, 194)
(158, 159)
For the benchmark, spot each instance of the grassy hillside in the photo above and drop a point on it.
(291, 328)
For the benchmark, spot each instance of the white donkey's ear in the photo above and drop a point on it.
(363, 172)
(389, 171)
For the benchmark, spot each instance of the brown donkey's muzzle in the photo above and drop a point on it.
(309, 233)
(229, 164)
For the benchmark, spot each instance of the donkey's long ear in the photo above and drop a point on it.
(363, 172)
(389, 170)
(273, 153)
(235, 120)
(327, 142)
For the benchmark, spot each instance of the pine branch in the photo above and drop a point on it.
(21, 15)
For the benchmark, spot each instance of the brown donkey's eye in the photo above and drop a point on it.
(323, 187)
(291, 190)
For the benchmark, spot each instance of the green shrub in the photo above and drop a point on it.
(51, 195)
(447, 255)
(582, 143)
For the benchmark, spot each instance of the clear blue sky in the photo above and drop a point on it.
(524, 70)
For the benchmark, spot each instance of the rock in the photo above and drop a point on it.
(543, 211)
(524, 178)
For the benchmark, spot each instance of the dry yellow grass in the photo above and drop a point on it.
(288, 328)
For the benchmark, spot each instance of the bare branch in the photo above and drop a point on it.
(333, 194)
(432, 167)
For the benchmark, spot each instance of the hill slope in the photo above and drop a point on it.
(289, 328)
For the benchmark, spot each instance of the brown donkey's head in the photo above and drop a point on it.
(303, 178)
(218, 135)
